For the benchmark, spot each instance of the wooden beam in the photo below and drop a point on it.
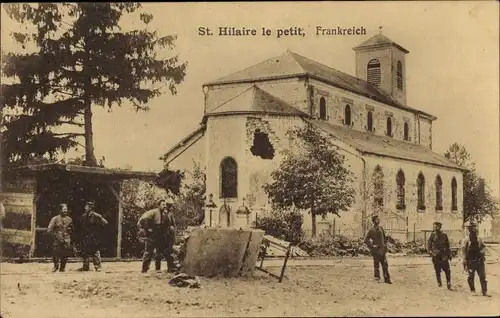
(119, 220)
(36, 198)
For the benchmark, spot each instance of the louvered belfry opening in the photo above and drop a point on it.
(374, 72)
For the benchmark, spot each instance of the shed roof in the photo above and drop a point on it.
(109, 174)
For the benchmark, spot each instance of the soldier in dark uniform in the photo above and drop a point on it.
(376, 241)
(158, 227)
(438, 246)
(92, 223)
(61, 227)
(473, 256)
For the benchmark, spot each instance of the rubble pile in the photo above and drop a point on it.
(327, 245)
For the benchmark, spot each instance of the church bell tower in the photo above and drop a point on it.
(381, 62)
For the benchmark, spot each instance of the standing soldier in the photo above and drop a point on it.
(92, 223)
(473, 256)
(376, 241)
(158, 225)
(61, 227)
(439, 248)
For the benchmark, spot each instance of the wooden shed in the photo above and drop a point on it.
(31, 195)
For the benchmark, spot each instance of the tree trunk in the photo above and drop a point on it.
(90, 158)
(313, 220)
(89, 138)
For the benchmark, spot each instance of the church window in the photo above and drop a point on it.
(262, 147)
(454, 206)
(347, 115)
(369, 125)
(373, 70)
(421, 192)
(400, 190)
(228, 178)
(399, 75)
(378, 186)
(322, 108)
(389, 127)
(439, 193)
(406, 133)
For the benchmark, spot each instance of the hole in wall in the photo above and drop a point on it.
(262, 147)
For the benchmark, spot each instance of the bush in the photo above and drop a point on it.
(338, 245)
(285, 225)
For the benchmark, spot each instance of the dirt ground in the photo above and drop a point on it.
(342, 288)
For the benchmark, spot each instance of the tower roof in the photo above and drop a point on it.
(377, 41)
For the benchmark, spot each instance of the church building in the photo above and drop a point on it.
(387, 144)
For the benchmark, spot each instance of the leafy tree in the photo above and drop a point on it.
(137, 197)
(191, 200)
(82, 59)
(312, 178)
(478, 199)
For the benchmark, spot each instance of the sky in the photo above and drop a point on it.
(452, 68)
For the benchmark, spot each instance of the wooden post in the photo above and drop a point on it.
(414, 231)
(119, 221)
(33, 225)
(288, 251)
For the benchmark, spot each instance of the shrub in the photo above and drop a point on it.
(282, 224)
(338, 245)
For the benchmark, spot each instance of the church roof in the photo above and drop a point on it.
(290, 64)
(384, 146)
(379, 40)
(255, 100)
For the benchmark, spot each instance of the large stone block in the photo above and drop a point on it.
(223, 252)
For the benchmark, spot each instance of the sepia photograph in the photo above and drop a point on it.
(250, 159)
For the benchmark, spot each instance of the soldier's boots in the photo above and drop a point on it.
(55, 268)
(484, 288)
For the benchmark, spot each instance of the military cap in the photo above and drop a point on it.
(374, 216)
(438, 223)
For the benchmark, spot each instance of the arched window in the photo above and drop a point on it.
(400, 190)
(389, 126)
(378, 186)
(421, 191)
(454, 206)
(406, 133)
(439, 193)
(347, 115)
(228, 178)
(373, 72)
(322, 108)
(369, 125)
(399, 75)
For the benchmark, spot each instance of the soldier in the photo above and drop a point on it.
(438, 246)
(92, 223)
(158, 225)
(473, 256)
(61, 227)
(376, 241)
